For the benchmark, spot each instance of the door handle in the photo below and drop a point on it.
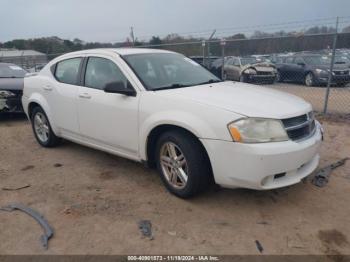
(47, 88)
(85, 95)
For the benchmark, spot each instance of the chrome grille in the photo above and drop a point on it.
(341, 72)
(263, 73)
(300, 127)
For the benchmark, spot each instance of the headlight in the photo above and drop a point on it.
(321, 71)
(6, 94)
(250, 71)
(257, 130)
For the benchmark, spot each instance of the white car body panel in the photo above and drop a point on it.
(121, 125)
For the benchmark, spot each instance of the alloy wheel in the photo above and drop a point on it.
(41, 127)
(309, 79)
(174, 165)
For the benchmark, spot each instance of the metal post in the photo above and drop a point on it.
(209, 52)
(203, 51)
(330, 75)
(223, 43)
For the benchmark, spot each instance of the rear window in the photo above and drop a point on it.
(67, 71)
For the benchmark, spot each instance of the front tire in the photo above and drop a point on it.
(42, 129)
(278, 78)
(243, 79)
(182, 163)
(309, 79)
(225, 77)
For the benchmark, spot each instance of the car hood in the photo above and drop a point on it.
(11, 83)
(335, 67)
(244, 99)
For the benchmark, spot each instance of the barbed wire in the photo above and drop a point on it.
(272, 26)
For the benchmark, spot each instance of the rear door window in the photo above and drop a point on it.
(67, 71)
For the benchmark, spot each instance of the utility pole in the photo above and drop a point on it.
(330, 74)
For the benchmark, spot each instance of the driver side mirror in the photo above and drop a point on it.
(119, 88)
(301, 64)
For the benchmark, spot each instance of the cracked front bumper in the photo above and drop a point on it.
(11, 104)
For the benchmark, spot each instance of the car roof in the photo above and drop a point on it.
(119, 51)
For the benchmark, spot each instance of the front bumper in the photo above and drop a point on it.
(336, 79)
(263, 166)
(261, 78)
(11, 104)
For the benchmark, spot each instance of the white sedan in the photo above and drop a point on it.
(164, 109)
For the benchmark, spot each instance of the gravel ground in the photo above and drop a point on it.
(94, 201)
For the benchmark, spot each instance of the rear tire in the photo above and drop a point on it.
(42, 129)
(182, 164)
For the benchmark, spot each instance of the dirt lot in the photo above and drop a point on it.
(339, 97)
(94, 202)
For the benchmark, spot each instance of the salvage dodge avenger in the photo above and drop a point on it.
(166, 110)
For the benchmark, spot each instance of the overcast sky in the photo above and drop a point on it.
(110, 20)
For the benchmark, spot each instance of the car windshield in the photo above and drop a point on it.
(159, 71)
(11, 71)
(248, 61)
(317, 60)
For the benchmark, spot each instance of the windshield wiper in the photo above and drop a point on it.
(9, 77)
(173, 86)
(211, 81)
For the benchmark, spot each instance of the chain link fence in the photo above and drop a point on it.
(315, 67)
(320, 74)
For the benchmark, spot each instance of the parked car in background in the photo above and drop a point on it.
(11, 87)
(161, 108)
(249, 70)
(313, 69)
(342, 60)
(206, 62)
(216, 67)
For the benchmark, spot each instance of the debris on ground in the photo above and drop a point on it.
(145, 227)
(16, 188)
(39, 218)
(57, 165)
(263, 223)
(172, 233)
(27, 168)
(321, 177)
(259, 246)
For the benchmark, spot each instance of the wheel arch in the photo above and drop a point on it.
(37, 100)
(157, 131)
